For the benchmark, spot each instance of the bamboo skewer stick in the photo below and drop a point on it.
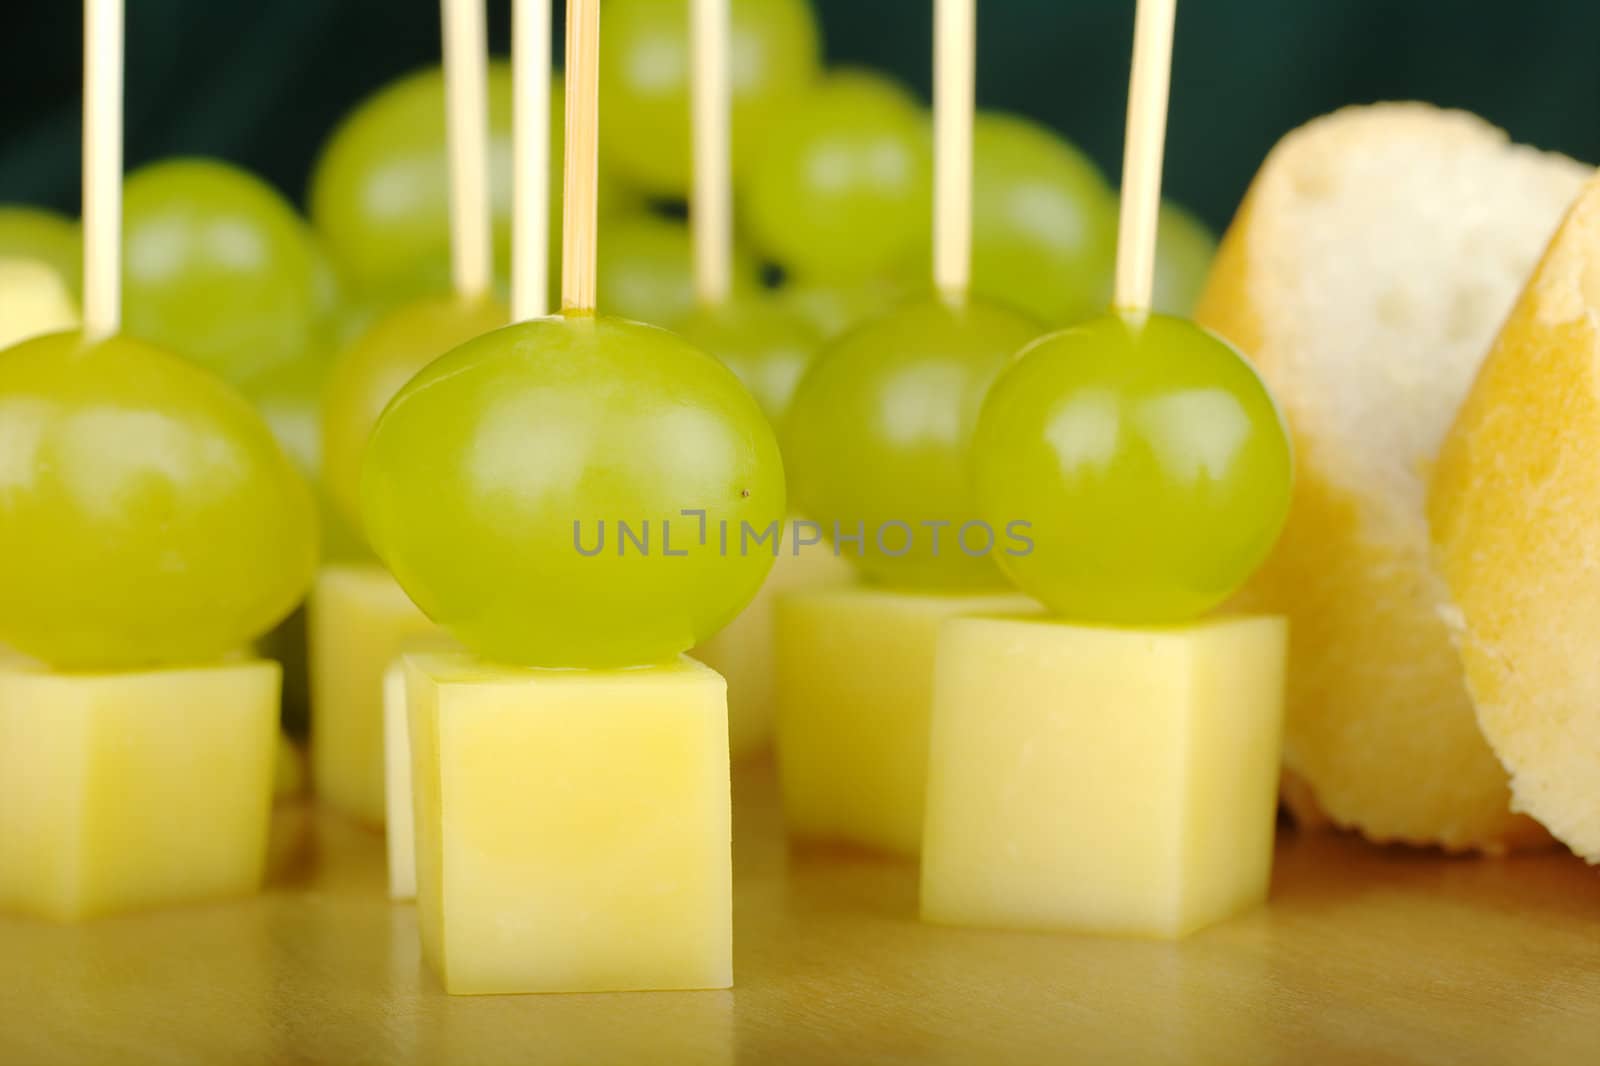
(1142, 154)
(711, 209)
(102, 168)
(530, 215)
(955, 43)
(466, 47)
(580, 207)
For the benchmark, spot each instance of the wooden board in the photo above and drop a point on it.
(1365, 956)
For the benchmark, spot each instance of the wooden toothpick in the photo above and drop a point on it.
(711, 207)
(1142, 153)
(466, 47)
(530, 213)
(954, 59)
(102, 168)
(580, 207)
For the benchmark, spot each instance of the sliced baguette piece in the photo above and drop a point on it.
(1374, 257)
(1515, 513)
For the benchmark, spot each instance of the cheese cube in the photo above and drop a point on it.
(572, 826)
(399, 823)
(745, 651)
(139, 789)
(1119, 781)
(855, 681)
(359, 620)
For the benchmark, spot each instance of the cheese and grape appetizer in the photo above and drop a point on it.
(359, 619)
(151, 527)
(1113, 767)
(878, 443)
(878, 439)
(1152, 470)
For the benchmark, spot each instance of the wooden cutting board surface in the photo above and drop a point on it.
(1365, 956)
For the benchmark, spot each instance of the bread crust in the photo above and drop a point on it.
(1515, 515)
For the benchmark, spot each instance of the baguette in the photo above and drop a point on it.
(1515, 514)
(1374, 258)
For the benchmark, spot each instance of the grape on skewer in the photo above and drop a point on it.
(646, 77)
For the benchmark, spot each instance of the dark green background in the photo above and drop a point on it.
(260, 82)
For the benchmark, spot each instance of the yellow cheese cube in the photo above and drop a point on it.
(1118, 781)
(744, 652)
(139, 789)
(572, 826)
(399, 826)
(855, 679)
(358, 620)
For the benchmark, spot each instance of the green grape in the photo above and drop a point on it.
(488, 478)
(645, 269)
(146, 514)
(380, 192)
(217, 267)
(833, 309)
(356, 317)
(842, 192)
(52, 239)
(878, 435)
(1149, 465)
(371, 370)
(644, 83)
(291, 404)
(329, 301)
(1043, 221)
(766, 343)
(1184, 249)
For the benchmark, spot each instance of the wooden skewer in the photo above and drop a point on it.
(102, 168)
(466, 47)
(530, 214)
(711, 210)
(580, 207)
(954, 60)
(1142, 153)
